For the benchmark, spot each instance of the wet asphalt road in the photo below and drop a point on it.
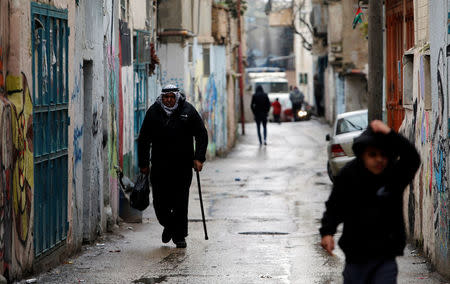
(263, 207)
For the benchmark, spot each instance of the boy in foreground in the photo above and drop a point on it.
(367, 198)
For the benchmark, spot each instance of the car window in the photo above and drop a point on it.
(351, 123)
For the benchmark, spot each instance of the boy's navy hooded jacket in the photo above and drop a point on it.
(368, 205)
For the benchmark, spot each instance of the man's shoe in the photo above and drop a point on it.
(166, 236)
(180, 243)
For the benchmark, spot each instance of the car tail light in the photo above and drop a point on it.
(337, 151)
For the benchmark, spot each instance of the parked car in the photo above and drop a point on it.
(347, 126)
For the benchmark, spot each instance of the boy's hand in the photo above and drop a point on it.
(379, 127)
(328, 244)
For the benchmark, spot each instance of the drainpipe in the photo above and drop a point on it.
(241, 69)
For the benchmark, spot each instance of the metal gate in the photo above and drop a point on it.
(399, 14)
(50, 119)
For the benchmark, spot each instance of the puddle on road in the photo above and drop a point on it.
(263, 233)
(150, 280)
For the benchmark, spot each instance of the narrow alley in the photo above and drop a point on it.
(263, 207)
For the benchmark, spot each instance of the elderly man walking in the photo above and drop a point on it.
(170, 125)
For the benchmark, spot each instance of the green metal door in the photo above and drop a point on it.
(50, 120)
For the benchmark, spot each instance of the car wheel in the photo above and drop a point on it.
(330, 174)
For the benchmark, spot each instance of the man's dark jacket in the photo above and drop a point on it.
(172, 137)
(260, 104)
(370, 206)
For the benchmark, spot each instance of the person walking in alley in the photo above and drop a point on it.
(367, 198)
(296, 97)
(276, 106)
(170, 126)
(260, 107)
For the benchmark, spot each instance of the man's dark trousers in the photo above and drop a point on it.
(170, 189)
(377, 271)
(262, 121)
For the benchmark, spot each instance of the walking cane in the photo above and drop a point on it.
(201, 204)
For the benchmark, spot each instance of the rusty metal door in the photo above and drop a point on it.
(399, 15)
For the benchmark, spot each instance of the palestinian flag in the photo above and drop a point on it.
(358, 17)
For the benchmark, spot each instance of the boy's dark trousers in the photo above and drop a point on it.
(375, 271)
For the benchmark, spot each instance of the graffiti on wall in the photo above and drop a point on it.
(439, 158)
(2, 78)
(113, 114)
(209, 96)
(208, 112)
(168, 79)
(78, 128)
(22, 163)
(6, 169)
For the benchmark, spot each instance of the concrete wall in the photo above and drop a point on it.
(17, 219)
(304, 57)
(355, 93)
(335, 23)
(209, 95)
(174, 67)
(171, 14)
(330, 95)
(138, 14)
(426, 123)
(86, 109)
(355, 45)
(421, 26)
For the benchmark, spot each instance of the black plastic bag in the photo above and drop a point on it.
(139, 198)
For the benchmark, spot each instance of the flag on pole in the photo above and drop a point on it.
(358, 17)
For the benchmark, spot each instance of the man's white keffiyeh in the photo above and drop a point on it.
(167, 90)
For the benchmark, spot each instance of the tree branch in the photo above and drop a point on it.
(305, 43)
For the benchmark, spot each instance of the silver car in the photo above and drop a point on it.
(348, 125)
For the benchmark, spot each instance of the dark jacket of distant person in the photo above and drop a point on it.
(260, 104)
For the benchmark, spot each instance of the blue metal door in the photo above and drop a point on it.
(50, 119)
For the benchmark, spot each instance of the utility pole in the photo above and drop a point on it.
(240, 67)
(375, 84)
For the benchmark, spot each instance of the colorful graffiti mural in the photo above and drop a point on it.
(23, 177)
(6, 169)
(426, 125)
(440, 154)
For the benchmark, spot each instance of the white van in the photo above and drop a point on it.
(275, 85)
